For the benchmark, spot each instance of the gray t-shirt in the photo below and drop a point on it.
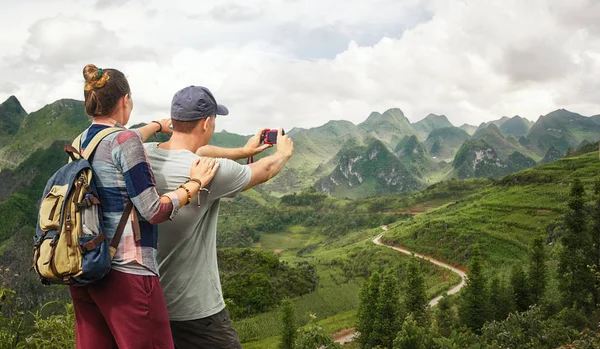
(187, 245)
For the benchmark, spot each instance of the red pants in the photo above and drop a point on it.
(122, 311)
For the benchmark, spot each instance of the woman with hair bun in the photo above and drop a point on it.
(126, 309)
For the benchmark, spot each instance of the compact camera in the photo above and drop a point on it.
(269, 136)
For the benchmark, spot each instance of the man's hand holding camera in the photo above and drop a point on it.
(255, 145)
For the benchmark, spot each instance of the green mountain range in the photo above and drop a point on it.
(424, 148)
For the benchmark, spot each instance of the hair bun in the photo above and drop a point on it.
(94, 77)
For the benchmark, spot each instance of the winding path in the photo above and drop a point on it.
(432, 303)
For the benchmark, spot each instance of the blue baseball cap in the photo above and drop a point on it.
(195, 103)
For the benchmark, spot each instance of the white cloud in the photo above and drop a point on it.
(300, 63)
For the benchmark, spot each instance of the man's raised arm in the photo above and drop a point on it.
(251, 148)
(267, 167)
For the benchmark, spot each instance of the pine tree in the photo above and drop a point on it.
(473, 309)
(445, 318)
(520, 289)
(367, 311)
(415, 299)
(595, 236)
(575, 277)
(537, 271)
(288, 325)
(412, 336)
(500, 299)
(388, 311)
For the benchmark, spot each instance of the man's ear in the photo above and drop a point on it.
(205, 123)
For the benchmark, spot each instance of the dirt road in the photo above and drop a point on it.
(349, 336)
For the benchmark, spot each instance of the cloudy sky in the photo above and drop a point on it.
(286, 63)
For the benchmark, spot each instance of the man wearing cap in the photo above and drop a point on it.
(187, 253)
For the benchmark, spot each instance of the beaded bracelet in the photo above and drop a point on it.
(187, 191)
(199, 189)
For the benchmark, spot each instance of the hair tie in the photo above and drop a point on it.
(100, 70)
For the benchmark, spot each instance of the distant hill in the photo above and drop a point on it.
(563, 129)
(413, 153)
(477, 158)
(516, 127)
(368, 170)
(498, 123)
(470, 129)
(12, 115)
(552, 154)
(444, 142)
(389, 127)
(431, 122)
(503, 145)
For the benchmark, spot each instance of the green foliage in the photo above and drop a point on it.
(415, 299)
(537, 277)
(577, 280)
(388, 315)
(52, 332)
(12, 321)
(412, 335)
(367, 312)
(595, 238)
(288, 325)
(501, 299)
(527, 329)
(520, 288)
(41, 329)
(255, 281)
(445, 317)
(313, 336)
(473, 308)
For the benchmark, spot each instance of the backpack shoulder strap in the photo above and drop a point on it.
(89, 150)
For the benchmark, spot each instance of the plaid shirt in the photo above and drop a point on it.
(121, 173)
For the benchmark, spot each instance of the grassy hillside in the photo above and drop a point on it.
(502, 218)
